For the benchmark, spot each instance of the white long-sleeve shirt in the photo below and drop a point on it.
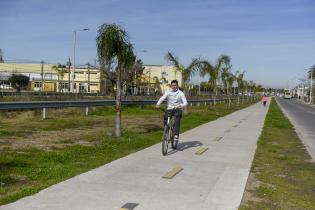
(174, 99)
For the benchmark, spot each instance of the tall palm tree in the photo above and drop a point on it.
(240, 81)
(312, 70)
(230, 81)
(115, 53)
(187, 72)
(215, 71)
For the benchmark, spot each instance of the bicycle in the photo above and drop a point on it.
(168, 135)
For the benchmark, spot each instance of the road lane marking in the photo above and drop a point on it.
(173, 172)
(201, 151)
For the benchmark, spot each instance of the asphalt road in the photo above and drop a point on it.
(302, 116)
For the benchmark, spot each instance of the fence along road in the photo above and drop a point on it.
(64, 104)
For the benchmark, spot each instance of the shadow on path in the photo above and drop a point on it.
(185, 145)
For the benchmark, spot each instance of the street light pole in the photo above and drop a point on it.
(73, 67)
(311, 89)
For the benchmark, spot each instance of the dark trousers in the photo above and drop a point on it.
(178, 114)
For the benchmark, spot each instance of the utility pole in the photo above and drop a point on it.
(42, 74)
(311, 89)
(74, 45)
(88, 64)
(69, 74)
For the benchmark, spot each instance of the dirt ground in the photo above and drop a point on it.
(20, 130)
(251, 185)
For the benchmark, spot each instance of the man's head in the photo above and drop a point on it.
(174, 85)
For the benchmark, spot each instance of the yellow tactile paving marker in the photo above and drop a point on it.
(201, 151)
(129, 206)
(218, 138)
(173, 172)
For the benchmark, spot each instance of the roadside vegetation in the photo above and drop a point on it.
(282, 173)
(35, 153)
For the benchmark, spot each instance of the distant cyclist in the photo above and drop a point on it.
(176, 100)
(264, 100)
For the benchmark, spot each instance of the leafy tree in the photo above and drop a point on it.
(115, 53)
(19, 81)
(131, 77)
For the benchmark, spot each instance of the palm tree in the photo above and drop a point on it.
(229, 85)
(215, 71)
(240, 81)
(115, 53)
(61, 71)
(240, 84)
(187, 72)
(230, 81)
(157, 85)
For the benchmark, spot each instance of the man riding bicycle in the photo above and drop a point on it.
(176, 100)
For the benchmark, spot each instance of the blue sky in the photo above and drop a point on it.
(272, 40)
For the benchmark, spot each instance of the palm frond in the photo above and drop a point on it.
(173, 60)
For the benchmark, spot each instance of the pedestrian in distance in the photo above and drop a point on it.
(264, 100)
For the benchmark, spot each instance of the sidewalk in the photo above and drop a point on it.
(213, 180)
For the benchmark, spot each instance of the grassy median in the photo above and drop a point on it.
(35, 153)
(282, 174)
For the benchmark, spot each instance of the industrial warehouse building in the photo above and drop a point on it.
(44, 77)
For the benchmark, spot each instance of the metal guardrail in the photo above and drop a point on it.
(63, 104)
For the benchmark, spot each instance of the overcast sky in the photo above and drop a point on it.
(272, 40)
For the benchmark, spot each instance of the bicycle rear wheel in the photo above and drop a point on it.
(165, 140)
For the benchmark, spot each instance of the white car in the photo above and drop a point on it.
(287, 95)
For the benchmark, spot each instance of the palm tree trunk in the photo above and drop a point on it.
(118, 104)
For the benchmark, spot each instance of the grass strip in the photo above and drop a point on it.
(27, 171)
(282, 173)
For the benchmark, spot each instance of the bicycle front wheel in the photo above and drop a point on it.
(174, 143)
(165, 140)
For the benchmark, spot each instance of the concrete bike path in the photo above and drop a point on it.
(213, 180)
